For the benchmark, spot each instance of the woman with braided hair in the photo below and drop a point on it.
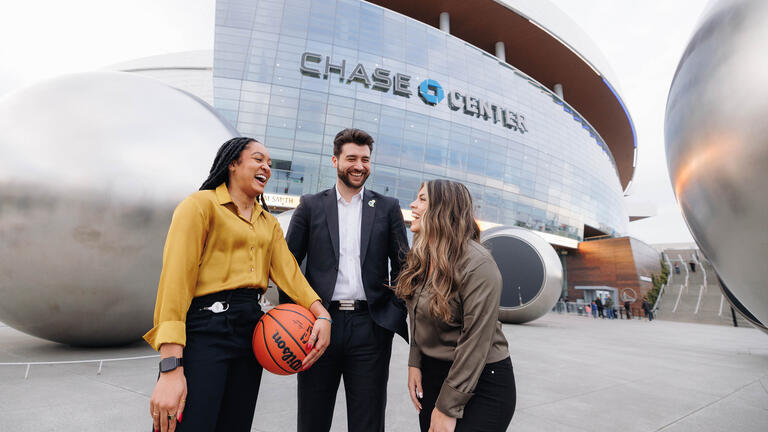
(459, 372)
(222, 248)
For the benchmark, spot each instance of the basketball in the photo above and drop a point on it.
(280, 338)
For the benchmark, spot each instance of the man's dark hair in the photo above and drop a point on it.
(351, 135)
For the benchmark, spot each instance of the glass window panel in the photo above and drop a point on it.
(558, 167)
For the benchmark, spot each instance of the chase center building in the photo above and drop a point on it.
(508, 97)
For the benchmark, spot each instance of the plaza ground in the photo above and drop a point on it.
(573, 374)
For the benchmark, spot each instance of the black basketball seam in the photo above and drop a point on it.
(294, 312)
(266, 346)
(289, 333)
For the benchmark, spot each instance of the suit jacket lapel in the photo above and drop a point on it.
(366, 225)
(332, 218)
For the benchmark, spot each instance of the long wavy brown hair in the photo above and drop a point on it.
(447, 226)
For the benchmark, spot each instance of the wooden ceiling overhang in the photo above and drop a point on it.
(541, 56)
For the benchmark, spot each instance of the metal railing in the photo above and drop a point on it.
(575, 308)
(658, 298)
(99, 361)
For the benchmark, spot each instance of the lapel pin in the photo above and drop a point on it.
(372, 203)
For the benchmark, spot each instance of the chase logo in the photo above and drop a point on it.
(431, 91)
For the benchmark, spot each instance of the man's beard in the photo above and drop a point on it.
(344, 177)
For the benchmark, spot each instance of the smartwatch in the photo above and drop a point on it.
(170, 363)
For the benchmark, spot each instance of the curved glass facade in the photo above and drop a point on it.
(295, 72)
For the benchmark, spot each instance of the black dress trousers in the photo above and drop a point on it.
(491, 407)
(359, 352)
(223, 375)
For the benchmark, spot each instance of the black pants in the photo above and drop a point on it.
(489, 410)
(223, 376)
(359, 351)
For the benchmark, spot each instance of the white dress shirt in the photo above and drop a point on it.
(349, 281)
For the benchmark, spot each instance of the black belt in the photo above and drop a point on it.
(219, 301)
(349, 305)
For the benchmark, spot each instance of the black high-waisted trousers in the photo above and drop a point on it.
(489, 410)
(223, 375)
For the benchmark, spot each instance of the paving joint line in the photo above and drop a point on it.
(116, 386)
(585, 393)
(763, 384)
(709, 404)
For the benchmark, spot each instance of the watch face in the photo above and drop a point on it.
(168, 364)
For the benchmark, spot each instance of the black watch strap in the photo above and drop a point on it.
(170, 363)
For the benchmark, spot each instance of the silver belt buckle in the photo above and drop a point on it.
(346, 305)
(217, 307)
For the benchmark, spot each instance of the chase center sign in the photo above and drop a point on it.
(431, 92)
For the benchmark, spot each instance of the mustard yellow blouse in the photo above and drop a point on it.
(210, 248)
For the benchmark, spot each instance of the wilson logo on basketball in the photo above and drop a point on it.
(288, 356)
(280, 338)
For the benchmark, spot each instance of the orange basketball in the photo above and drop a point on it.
(280, 338)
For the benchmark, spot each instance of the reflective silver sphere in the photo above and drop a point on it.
(92, 167)
(530, 268)
(717, 145)
(284, 219)
(531, 272)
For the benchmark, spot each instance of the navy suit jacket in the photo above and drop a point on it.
(314, 234)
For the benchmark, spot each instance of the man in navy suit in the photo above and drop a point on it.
(354, 243)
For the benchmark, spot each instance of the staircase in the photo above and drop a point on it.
(694, 296)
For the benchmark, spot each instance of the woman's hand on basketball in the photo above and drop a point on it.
(320, 337)
(441, 422)
(414, 386)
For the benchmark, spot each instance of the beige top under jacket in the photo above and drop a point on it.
(472, 339)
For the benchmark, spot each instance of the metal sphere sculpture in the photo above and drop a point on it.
(716, 137)
(284, 219)
(92, 167)
(531, 272)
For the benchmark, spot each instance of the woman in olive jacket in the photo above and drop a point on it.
(460, 375)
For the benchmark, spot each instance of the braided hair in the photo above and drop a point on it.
(228, 152)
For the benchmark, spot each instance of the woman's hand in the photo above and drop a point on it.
(441, 422)
(170, 393)
(321, 335)
(414, 386)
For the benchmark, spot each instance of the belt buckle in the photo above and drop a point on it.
(217, 307)
(346, 305)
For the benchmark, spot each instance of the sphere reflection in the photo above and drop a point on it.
(717, 145)
(92, 167)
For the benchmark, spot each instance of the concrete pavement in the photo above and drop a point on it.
(573, 374)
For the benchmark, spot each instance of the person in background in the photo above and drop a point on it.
(599, 304)
(609, 307)
(647, 308)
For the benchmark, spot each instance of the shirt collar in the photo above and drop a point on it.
(222, 195)
(355, 197)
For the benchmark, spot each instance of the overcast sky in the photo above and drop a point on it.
(642, 41)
